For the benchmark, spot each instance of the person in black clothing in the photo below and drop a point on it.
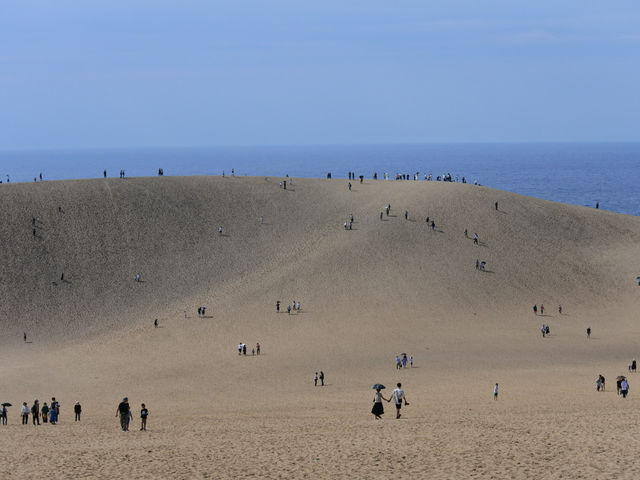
(77, 409)
(321, 378)
(144, 413)
(125, 414)
(278, 306)
(35, 413)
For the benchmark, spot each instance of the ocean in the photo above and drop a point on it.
(576, 173)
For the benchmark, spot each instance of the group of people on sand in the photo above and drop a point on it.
(398, 396)
(242, 349)
(541, 309)
(124, 413)
(46, 413)
(317, 377)
(294, 306)
(402, 360)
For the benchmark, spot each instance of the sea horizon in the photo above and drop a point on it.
(581, 173)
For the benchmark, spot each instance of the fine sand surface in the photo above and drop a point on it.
(385, 287)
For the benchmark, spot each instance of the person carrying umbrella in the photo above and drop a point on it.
(3, 413)
(378, 409)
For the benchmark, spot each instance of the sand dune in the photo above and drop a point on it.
(384, 287)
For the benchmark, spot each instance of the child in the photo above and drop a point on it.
(144, 413)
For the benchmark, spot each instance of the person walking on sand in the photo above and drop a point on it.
(54, 411)
(404, 361)
(406, 214)
(258, 348)
(3, 415)
(77, 410)
(25, 413)
(411, 361)
(598, 383)
(588, 332)
(278, 306)
(624, 388)
(398, 396)
(496, 205)
(542, 309)
(321, 378)
(144, 413)
(289, 309)
(155, 323)
(349, 186)
(124, 412)
(35, 412)
(45, 412)
(495, 392)
(475, 239)
(535, 309)
(315, 380)
(378, 409)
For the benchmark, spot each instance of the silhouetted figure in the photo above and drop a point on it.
(105, 174)
(155, 323)
(24, 335)
(588, 332)
(597, 204)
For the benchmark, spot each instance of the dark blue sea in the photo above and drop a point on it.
(577, 173)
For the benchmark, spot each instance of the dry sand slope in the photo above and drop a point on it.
(386, 286)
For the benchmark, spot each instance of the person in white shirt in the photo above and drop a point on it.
(25, 413)
(398, 395)
(624, 388)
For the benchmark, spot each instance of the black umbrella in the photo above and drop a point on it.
(378, 386)
(6, 404)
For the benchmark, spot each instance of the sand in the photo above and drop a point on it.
(383, 288)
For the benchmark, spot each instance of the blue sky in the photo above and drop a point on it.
(203, 73)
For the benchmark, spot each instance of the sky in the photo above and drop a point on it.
(94, 73)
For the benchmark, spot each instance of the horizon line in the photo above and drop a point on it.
(317, 145)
